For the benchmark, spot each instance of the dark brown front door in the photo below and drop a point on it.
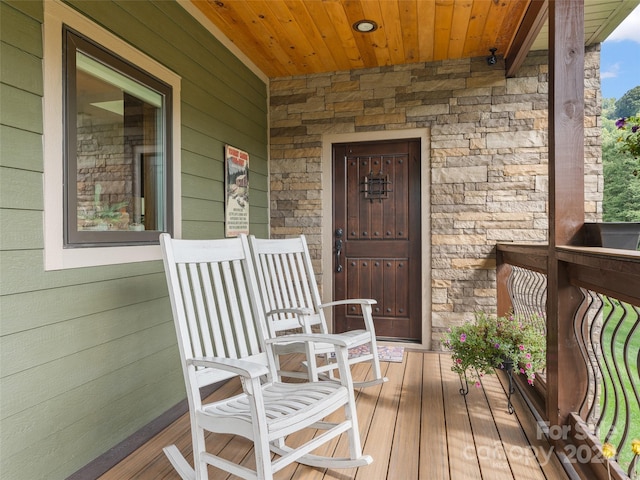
(376, 226)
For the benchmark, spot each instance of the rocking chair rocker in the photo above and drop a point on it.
(221, 334)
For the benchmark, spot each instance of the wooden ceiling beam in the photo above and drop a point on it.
(530, 27)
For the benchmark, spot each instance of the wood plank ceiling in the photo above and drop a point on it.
(296, 37)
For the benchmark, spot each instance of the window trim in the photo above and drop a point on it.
(57, 257)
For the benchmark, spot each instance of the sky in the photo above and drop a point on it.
(620, 58)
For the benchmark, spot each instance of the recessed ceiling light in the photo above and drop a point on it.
(365, 26)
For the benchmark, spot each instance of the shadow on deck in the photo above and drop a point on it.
(416, 426)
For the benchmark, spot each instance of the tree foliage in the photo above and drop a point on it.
(621, 196)
(629, 104)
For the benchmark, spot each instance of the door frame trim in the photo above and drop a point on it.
(424, 134)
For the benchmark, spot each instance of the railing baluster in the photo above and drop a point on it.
(621, 339)
(528, 292)
(608, 332)
(593, 328)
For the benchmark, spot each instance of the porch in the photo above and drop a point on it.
(415, 426)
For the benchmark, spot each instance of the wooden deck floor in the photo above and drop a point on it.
(416, 426)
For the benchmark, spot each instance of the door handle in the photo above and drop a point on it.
(338, 244)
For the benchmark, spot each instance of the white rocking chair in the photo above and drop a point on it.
(291, 300)
(212, 287)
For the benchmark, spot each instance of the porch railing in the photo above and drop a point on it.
(604, 335)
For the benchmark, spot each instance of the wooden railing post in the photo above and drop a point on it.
(565, 378)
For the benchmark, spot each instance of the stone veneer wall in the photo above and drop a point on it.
(488, 157)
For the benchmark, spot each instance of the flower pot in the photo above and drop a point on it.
(507, 364)
(623, 235)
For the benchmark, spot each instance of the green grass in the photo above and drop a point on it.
(616, 351)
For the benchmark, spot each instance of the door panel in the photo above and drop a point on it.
(377, 205)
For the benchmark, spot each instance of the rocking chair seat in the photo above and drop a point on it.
(285, 404)
(353, 338)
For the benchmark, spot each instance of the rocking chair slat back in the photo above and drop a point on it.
(287, 281)
(215, 305)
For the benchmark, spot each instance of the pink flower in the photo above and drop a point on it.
(528, 355)
(522, 370)
(458, 361)
(497, 345)
(521, 347)
(463, 337)
(478, 384)
(530, 381)
(528, 365)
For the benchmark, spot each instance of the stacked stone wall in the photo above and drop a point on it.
(488, 159)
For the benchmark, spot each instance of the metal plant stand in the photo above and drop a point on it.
(464, 389)
(508, 366)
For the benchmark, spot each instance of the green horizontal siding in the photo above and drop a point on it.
(21, 230)
(20, 149)
(65, 438)
(88, 355)
(62, 339)
(18, 267)
(199, 209)
(21, 109)
(201, 165)
(21, 189)
(36, 386)
(21, 69)
(201, 188)
(20, 24)
(32, 309)
(198, 229)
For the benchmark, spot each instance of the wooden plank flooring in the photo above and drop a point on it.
(416, 426)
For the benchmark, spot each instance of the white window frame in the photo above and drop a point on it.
(56, 257)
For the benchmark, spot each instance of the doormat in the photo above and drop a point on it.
(390, 354)
(385, 353)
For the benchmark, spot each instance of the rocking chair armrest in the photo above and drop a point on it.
(232, 365)
(350, 301)
(333, 339)
(296, 311)
(302, 315)
(365, 304)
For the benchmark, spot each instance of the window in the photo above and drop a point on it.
(117, 153)
(106, 195)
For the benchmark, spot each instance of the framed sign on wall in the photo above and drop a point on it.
(237, 191)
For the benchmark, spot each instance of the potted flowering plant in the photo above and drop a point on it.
(630, 136)
(511, 342)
